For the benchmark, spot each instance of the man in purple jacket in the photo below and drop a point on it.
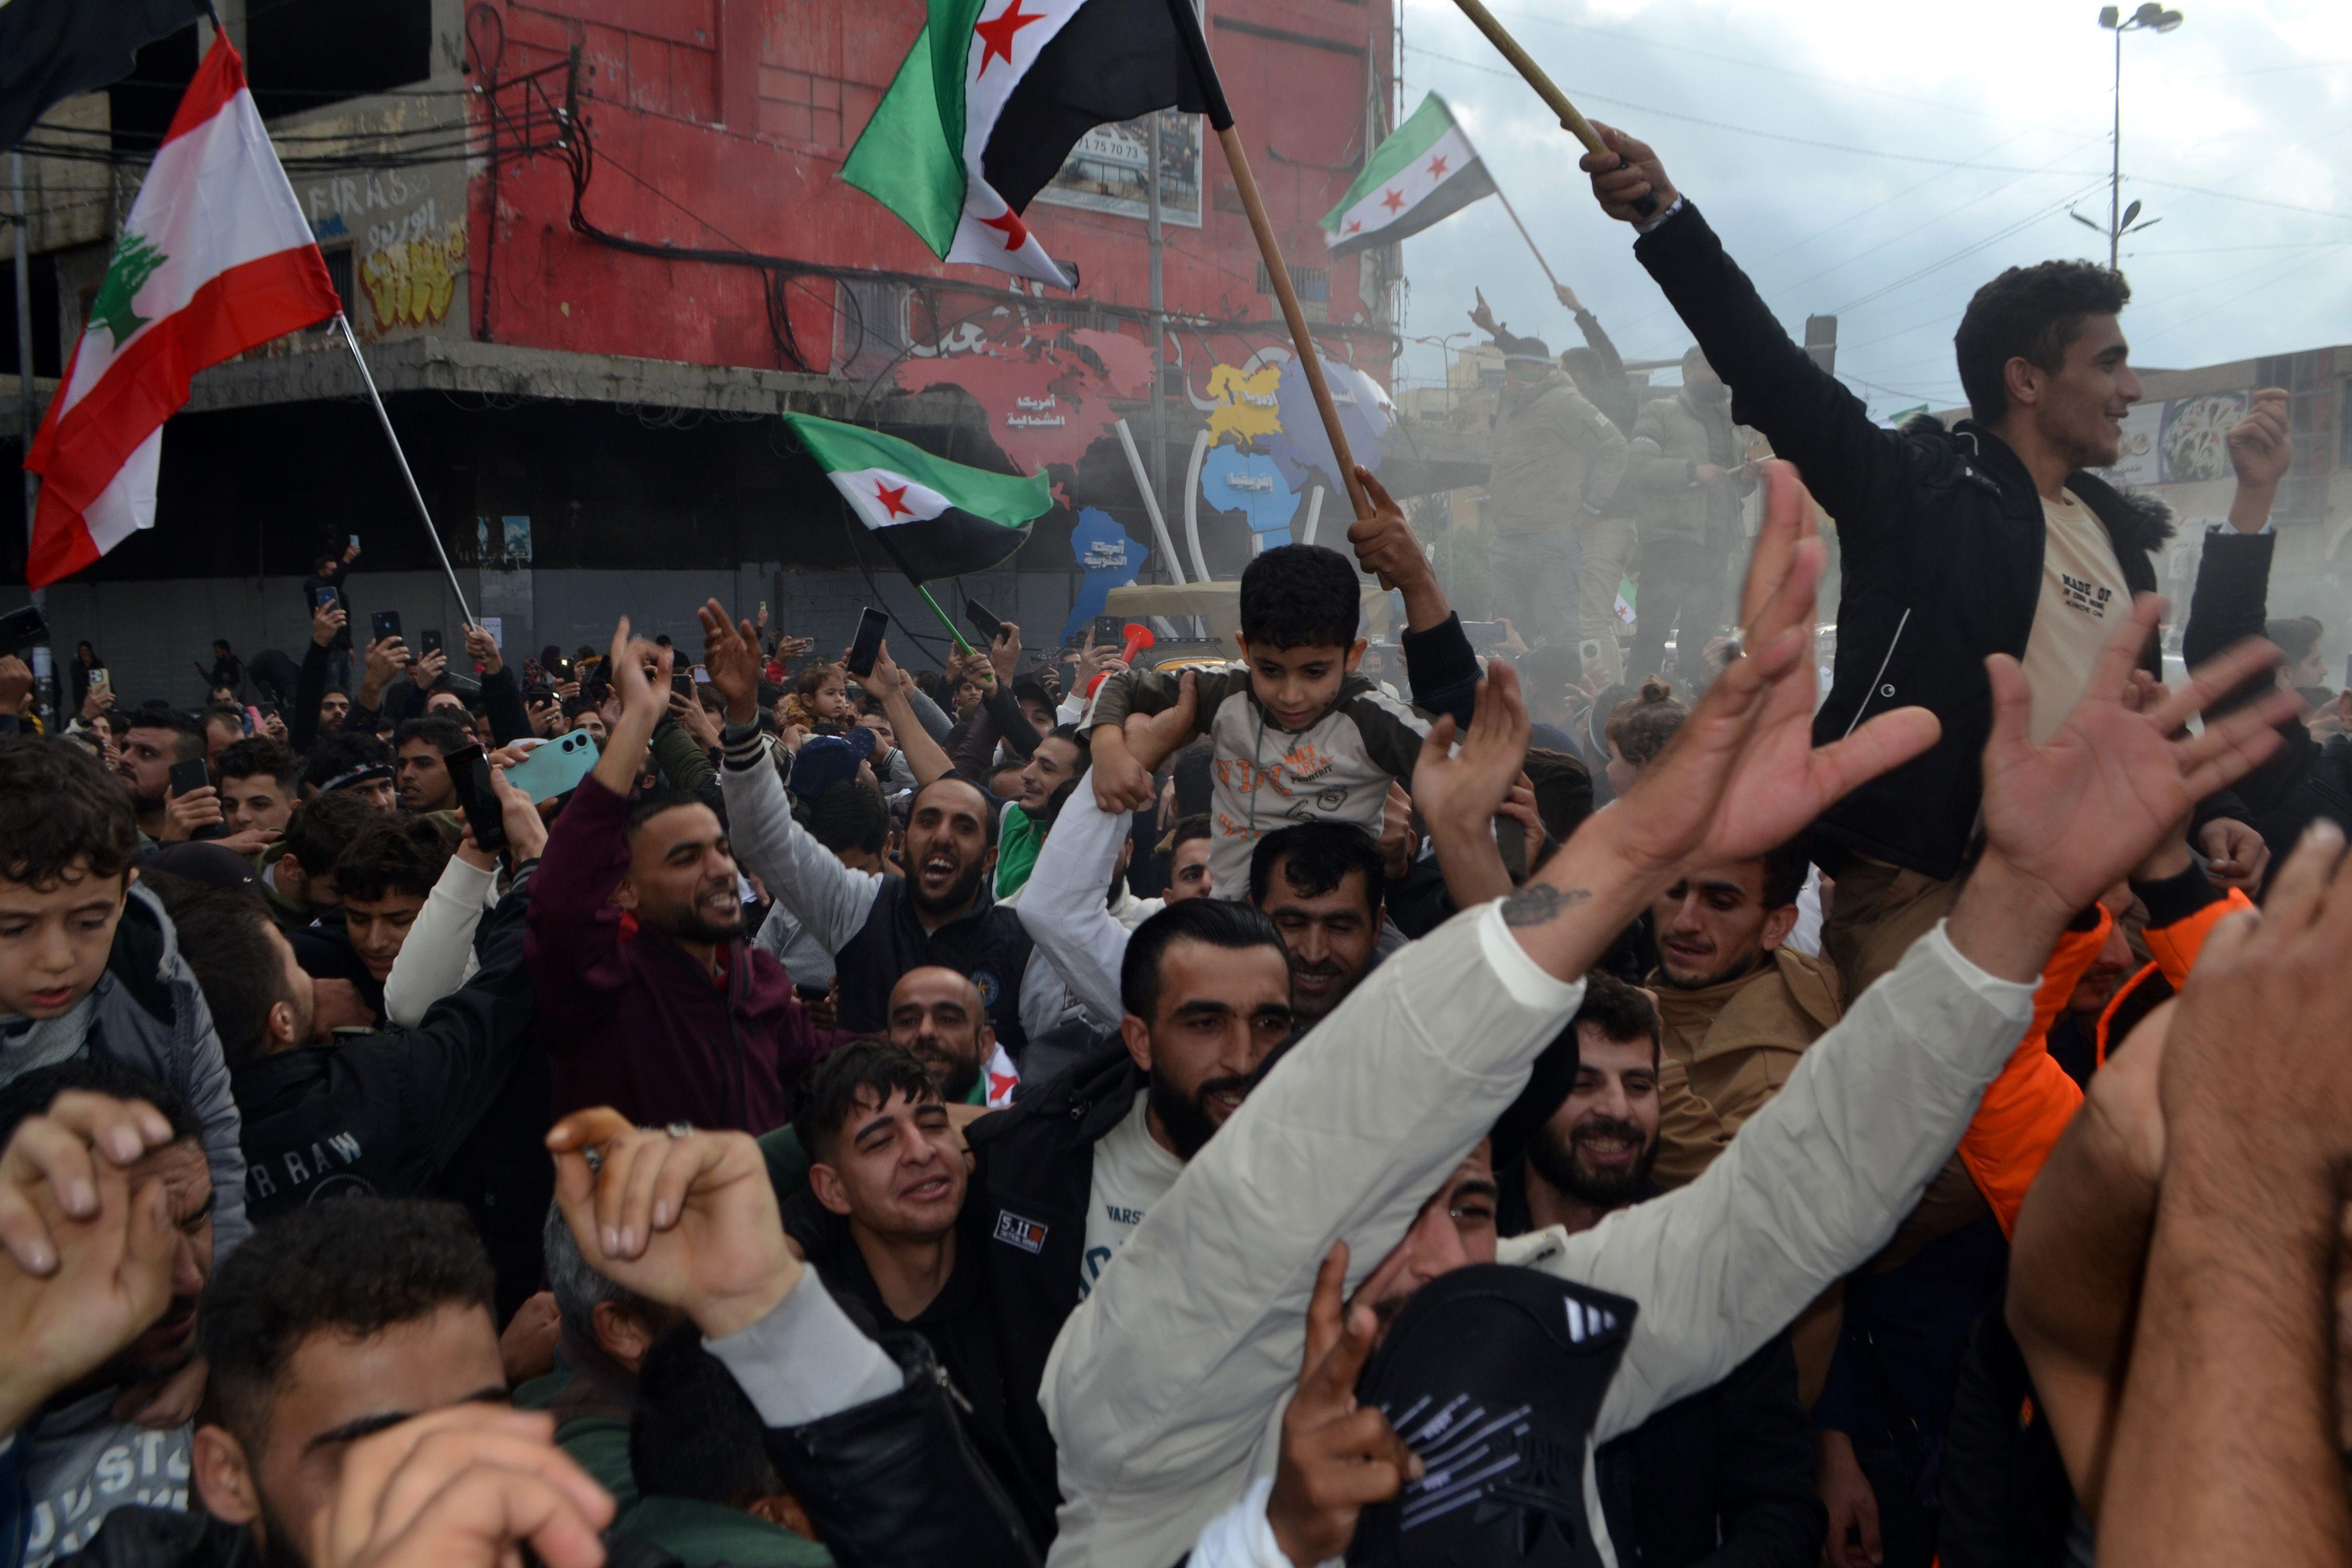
(650, 1000)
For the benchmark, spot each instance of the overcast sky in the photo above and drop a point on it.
(2251, 97)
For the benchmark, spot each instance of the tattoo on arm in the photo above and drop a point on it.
(1540, 903)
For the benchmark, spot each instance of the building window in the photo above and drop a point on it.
(1312, 285)
(869, 324)
(339, 273)
(2312, 402)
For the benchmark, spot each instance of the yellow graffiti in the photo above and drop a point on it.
(410, 281)
(1246, 410)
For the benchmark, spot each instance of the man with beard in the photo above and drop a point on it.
(155, 738)
(1063, 1176)
(936, 1014)
(878, 927)
(650, 1000)
(1730, 1469)
(1168, 1385)
(1738, 1003)
(1593, 1154)
(77, 1450)
(1321, 884)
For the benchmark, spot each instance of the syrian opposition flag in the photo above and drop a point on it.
(1424, 172)
(934, 517)
(215, 259)
(988, 102)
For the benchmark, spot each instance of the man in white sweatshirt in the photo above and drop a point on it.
(1168, 1387)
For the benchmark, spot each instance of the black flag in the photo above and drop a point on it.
(52, 50)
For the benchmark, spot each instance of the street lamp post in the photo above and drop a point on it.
(2121, 220)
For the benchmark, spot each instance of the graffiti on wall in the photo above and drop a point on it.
(408, 254)
(410, 282)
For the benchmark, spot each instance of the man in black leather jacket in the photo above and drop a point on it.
(1990, 537)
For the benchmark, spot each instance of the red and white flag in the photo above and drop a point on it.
(215, 259)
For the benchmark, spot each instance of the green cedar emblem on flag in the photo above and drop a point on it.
(135, 261)
(934, 517)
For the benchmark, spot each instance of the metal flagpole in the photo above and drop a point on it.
(23, 224)
(1525, 236)
(415, 494)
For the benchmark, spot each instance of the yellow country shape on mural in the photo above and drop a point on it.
(411, 281)
(1246, 409)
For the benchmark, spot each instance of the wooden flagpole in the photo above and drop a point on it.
(402, 458)
(1221, 120)
(1528, 238)
(1571, 119)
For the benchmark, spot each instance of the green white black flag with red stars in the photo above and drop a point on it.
(934, 517)
(987, 104)
(1425, 171)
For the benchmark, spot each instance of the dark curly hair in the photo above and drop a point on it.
(2030, 313)
(1300, 596)
(394, 854)
(58, 806)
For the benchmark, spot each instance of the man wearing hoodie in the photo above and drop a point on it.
(650, 1000)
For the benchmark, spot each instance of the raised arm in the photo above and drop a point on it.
(1062, 903)
(2227, 1446)
(894, 690)
(1807, 414)
(311, 684)
(501, 692)
(829, 900)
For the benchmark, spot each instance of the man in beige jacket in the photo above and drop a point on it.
(1167, 1386)
(1737, 1003)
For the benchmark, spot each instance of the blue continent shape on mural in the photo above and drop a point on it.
(1251, 483)
(1302, 446)
(1110, 560)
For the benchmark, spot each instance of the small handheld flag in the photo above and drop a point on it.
(989, 100)
(1425, 171)
(934, 517)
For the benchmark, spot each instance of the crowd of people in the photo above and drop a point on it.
(690, 1101)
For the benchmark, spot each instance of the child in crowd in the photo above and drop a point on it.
(820, 700)
(88, 962)
(1300, 735)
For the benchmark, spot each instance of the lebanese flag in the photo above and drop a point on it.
(987, 104)
(215, 259)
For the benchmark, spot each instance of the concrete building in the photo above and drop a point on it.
(594, 249)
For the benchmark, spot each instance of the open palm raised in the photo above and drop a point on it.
(2080, 810)
(1742, 775)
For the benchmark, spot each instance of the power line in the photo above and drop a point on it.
(1586, 96)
